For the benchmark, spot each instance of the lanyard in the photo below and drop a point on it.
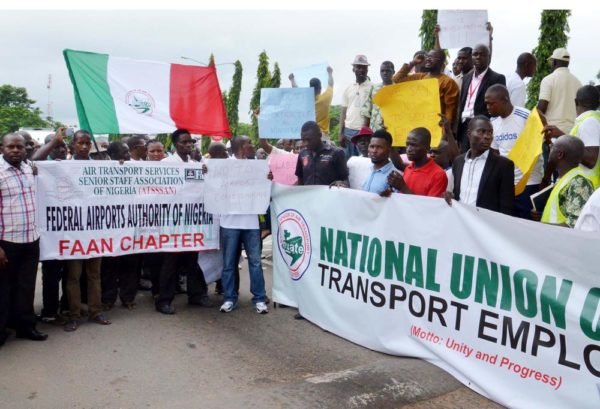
(474, 91)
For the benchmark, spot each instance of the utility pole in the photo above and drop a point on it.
(49, 113)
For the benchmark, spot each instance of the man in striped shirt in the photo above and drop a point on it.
(19, 242)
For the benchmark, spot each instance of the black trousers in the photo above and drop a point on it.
(17, 285)
(120, 277)
(171, 264)
(152, 264)
(53, 273)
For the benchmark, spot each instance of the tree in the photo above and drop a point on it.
(276, 77)
(334, 119)
(553, 34)
(17, 110)
(232, 100)
(263, 77)
(426, 32)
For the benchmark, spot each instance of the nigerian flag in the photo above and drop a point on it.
(121, 95)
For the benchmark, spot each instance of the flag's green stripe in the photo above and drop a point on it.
(95, 106)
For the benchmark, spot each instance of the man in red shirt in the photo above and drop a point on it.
(422, 176)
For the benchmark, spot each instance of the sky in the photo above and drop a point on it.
(31, 43)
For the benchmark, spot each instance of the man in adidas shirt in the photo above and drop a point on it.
(508, 122)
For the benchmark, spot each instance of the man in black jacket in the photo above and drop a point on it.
(472, 93)
(482, 178)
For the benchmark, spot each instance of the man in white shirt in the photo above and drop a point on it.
(508, 122)
(188, 261)
(589, 219)
(557, 92)
(351, 119)
(526, 68)
(235, 230)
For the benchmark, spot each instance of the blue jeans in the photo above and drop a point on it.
(350, 148)
(252, 244)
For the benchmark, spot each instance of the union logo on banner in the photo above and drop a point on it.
(141, 101)
(294, 243)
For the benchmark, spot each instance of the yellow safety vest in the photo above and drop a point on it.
(592, 174)
(552, 213)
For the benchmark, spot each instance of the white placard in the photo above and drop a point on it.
(463, 28)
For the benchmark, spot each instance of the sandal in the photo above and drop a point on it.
(71, 326)
(100, 319)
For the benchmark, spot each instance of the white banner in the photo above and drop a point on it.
(509, 307)
(237, 186)
(463, 28)
(98, 208)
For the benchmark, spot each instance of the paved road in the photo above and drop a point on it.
(200, 358)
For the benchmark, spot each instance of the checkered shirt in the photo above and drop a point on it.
(17, 203)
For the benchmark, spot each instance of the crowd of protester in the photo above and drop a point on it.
(482, 117)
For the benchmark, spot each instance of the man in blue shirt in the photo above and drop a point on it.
(379, 152)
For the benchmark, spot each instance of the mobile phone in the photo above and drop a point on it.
(69, 132)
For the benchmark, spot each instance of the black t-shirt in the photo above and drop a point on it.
(323, 167)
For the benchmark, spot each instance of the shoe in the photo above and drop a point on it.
(166, 309)
(101, 319)
(202, 301)
(58, 320)
(299, 317)
(71, 326)
(261, 308)
(228, 306)
(32, 334)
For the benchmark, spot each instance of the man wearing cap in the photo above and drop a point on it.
(557, 92)
(353, 99)
(360, 166)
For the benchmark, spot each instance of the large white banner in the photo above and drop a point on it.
(507, 306)
(99, 208)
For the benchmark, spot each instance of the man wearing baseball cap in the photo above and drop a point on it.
(353, 99)
(557, 92)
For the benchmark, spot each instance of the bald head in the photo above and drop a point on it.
(217, 150)
(481, 58)
(421, 135)
(526, 65)
(572, 149)
(588, 98)
(12, 136)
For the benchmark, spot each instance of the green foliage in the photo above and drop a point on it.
(211, 60)
(334, 121)
(244, 129)
(426, 32)
(232, 100)
(263, 80)
(553, 34)
(275, 77)
(165, 138)
(17, 110)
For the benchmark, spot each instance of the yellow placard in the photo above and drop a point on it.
(411, 105)
(527, 149)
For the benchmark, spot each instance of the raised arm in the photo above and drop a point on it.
(293, 80)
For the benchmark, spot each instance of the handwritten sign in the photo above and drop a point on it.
(463, 28)
(411, 105)
(283, 168)
(237, 186)
(305, 74)
(359, 169)
(283, 111)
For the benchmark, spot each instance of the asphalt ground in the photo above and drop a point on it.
(201, 358)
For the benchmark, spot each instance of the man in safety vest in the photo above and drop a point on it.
(572, 188)
(586, 128)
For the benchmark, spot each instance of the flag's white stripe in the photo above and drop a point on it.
(144, 82)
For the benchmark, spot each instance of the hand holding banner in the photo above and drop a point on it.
(410, 105)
